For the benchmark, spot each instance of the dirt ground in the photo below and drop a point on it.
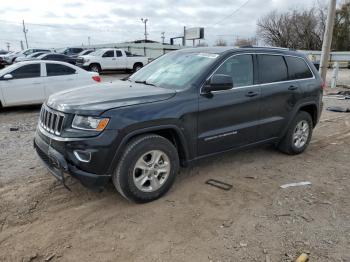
(254, 221)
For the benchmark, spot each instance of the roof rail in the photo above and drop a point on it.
(267, 47)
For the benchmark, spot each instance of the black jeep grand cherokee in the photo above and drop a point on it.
(182, 107)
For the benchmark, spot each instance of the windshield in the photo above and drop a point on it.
(174, 70)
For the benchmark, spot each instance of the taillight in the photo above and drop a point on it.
(323, 85)
(97, 78)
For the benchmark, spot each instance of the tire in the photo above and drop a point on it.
(95, 68)
(289, 144)
(135, 179)
(137, 67)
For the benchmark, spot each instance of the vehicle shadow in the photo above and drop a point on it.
(21, 109)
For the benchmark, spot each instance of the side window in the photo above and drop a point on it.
(119, 53)
(58, 70)
(26, 71)
(297, 68)
(272, 68)
(240, 67)
(108, 54)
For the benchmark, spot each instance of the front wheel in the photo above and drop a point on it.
(298, 136)
(147, 168)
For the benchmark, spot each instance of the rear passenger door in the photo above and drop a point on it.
(228, 119)
(279, 95)
(59, 77)
(121, 60)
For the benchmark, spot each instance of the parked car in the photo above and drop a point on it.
(111, 59)
(31, 82)
(10, 58)
(30, 57)
(84, 52)
(3, 52)
(57, 57)
(71, 51)
(184, 106)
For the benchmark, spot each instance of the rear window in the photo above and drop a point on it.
(297, 68)
(272, 68)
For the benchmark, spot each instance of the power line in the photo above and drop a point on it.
(235, 11)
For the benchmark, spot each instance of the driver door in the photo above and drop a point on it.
(229, 119)
(109, 60)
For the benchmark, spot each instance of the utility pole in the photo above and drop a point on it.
(22, 47)
(89, 40)
(163, 37)
(327, 39)
(145, 22)
(8, 46)
(25, 31)
(184, 38)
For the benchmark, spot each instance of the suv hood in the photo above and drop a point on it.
(97, 98)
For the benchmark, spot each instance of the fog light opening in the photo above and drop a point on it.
(82, 156)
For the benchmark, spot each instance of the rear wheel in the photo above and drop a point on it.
(298, 136)
(137, 67)
(147, 168)
(95, 68)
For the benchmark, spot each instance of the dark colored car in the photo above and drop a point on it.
(184, 106)
(72, 51)
(57, 57)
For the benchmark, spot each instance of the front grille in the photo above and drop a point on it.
(51, 121)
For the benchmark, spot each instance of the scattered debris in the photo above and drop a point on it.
(304, 183)
(243, 244)
(219, 184)
(50, 257)
(14, 128)
(302, 258)
(251, 177)
(227, 223)
(338, 109)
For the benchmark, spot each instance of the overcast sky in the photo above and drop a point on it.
(61, 23)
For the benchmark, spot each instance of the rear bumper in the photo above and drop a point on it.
(59, 166)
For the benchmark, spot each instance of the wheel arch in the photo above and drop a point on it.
(309, 107)
(137, 63)
(170, 132)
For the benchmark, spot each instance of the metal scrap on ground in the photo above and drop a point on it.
(304, 183)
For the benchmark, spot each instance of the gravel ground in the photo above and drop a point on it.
(255, 221)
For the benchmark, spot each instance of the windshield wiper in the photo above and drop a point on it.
(145, 82)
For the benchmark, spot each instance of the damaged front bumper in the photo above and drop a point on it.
(59, 167)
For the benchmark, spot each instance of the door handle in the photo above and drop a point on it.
(251, 94)
(113, 58)
(292, 88)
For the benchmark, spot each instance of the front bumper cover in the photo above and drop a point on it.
(59, 166)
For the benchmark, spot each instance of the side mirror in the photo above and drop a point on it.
(7, 77)
(218, 82)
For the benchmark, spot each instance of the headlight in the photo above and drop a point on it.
(86, 60)
(90, 123)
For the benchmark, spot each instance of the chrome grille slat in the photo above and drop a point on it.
(51, 120)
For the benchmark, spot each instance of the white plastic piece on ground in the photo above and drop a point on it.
(335, 75)
(304, 183)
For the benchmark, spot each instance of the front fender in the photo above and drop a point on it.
(145, 130)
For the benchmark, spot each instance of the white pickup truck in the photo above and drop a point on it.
(111, 59)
